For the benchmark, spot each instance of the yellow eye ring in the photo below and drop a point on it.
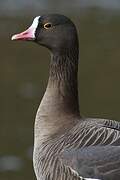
(47, 25)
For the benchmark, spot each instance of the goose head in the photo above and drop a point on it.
(54, 31)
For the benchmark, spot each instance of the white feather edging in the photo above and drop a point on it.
(91, 179)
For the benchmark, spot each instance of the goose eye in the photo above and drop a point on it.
(47, 25)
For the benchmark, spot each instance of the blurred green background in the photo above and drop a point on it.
(24, 72)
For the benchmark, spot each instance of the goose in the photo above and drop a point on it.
(66, 145)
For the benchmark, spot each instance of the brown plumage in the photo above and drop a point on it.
(67, 146)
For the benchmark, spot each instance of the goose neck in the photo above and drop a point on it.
(63, 80)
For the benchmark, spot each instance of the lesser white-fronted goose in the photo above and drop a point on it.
(67, 146)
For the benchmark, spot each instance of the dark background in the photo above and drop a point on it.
(24, 72)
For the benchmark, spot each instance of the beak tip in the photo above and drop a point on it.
(13, 37)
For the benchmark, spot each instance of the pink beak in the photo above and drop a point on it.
(25, 35)
(29, 34)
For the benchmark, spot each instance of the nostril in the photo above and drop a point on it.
(25, 33)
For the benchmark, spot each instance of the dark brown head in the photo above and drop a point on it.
(54, 31)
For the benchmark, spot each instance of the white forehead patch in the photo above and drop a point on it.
(34, 25)
(35, 22)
